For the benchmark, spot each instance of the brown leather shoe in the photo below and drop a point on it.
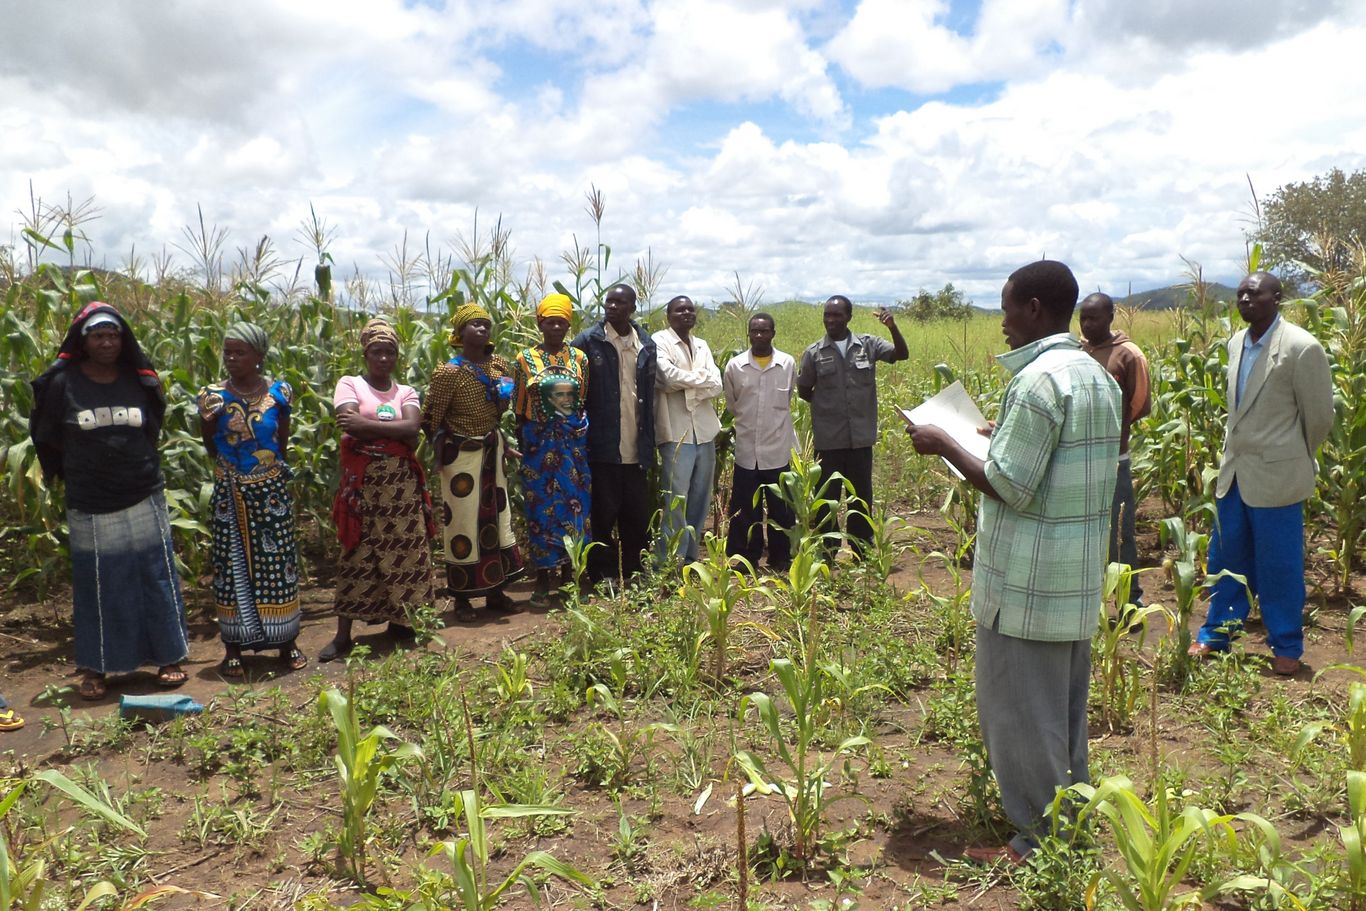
(1285, 665)
(1200, 650)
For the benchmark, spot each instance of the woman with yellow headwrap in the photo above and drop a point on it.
(552, 381)
(382, 510)
(466, 399)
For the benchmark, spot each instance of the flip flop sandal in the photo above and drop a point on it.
(10, 721)
(171, 678)
(332, 651)
(295, 659)
(232, 668)
(92, 688)
(539, 600)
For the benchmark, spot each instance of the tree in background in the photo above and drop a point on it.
(1315, 226)
(947, 303)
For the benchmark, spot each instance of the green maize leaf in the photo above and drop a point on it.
(88, 801)
(518, 811)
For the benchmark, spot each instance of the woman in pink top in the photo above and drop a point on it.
(382, 510)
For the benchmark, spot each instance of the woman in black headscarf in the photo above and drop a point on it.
(96, 419)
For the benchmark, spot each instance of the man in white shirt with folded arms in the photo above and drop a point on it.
(686, 384)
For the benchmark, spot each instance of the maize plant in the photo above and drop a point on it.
(1339, 322)
(714, 587)
(1115, 648)
(362, 760)
(1156, 845)
(803, 788)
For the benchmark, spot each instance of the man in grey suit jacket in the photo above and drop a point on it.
(1280, 394)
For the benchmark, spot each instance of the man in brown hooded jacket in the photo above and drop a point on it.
(1126, 363)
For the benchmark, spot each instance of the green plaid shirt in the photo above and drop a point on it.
(1041, 549)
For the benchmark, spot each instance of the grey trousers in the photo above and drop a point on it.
(1123, 530)
(1031, 704)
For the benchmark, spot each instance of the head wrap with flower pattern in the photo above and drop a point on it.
(464, 315)
(378, 330)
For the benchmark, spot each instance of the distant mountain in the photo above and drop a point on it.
(1173, 296)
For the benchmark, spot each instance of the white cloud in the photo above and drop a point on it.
(717, 131)
(908, 44)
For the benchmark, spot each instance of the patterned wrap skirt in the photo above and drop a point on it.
(476, 519)
(255, 563)
(555, 481)
(390, 567)
(126, 601)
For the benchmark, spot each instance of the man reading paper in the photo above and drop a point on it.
(1042, 529)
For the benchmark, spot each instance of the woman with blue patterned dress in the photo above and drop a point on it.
(552, 382)
(244, 422)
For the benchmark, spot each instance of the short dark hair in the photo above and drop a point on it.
(669, 307)
(763, 315)
(1103, 299)
(1051, 282)
(624, 287)
(848, 304)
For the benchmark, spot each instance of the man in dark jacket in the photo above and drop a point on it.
(621, 434)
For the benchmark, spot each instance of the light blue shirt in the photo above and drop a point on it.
(1251, 351)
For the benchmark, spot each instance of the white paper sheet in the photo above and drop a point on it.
(953, 410)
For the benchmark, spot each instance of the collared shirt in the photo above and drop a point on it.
(760, 397)
(844, 400)
(1251, 351)
(627, 346)
(686, 382)
(1040, 559)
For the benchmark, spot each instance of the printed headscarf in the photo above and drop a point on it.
(464, 315)
(378, 330)
(250, 334)
(45, 420)
(552, 305)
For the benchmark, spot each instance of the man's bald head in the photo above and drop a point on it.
(1268, 281)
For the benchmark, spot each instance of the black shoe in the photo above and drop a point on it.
(400, 632)
(334, 650)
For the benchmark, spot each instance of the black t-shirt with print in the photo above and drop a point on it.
(109, 455)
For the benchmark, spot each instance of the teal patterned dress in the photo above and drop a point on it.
(255, 562)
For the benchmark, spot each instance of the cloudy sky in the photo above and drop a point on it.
(871, 147)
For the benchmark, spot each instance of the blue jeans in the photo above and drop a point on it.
(1265, 544)
(685, 470)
